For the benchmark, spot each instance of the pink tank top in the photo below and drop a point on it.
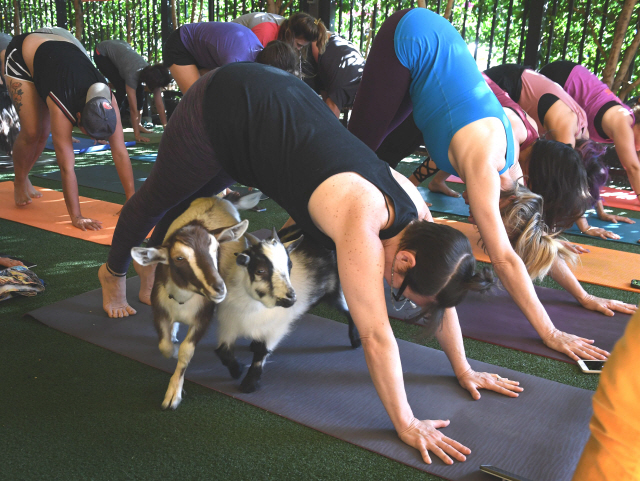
(506, 101)
(534, 86)
(592, 95)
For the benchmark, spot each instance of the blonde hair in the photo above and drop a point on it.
(529, 235)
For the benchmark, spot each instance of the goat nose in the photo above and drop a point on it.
(291, 296)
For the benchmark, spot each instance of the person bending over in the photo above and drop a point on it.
(336, 73)
(419, 62)
(54, 87)
(131, 75)
(249, 121)
(196, 48)
(298, 30)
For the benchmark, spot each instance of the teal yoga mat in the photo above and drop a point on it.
(316, 379)
(145, 158)
(629, 233)
(86, 145)
(103, 177)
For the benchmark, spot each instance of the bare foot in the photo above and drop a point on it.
(442, 188)
(31, 190)
(147, 276)
(114, 294)
(21, 194)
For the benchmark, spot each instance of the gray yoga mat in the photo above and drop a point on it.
(316, 379)
(494, 318)
(103, 177)
(629, 233)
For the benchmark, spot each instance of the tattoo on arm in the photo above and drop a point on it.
(16, 95)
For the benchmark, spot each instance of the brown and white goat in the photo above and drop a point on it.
(187, 284)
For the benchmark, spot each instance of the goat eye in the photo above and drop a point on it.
(180, 258)
(260, 271)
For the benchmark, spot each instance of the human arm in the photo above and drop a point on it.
(61, 135)
(157, 99)
(450, 338)
(134, 114)
(561, 273)
(602, 215)
(585, 228)
(562, 123)
(617, 124)
(477, 162)
(121, 156)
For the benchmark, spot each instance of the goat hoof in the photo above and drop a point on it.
(248, 386)
(236, 371)
(172, 399)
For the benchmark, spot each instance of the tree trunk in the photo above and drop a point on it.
(194, 5)
(16, 18)
(422, 4)
(627, 59)
(618, 38)
(627, 89)
(447, 11)
(174, 16)
(201, 11)
(272, 7)
(79, 19)
(130, 8)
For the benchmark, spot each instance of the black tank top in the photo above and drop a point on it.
(508, 77)
(64, 73)
(270, 130)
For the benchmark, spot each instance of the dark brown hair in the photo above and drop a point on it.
(304, 25)
(281, 55)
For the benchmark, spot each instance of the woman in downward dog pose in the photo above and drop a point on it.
(55, 87)
(247, 120)
(195, 48)
(418, 60)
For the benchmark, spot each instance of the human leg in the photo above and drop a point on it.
(110, 71)
(34, 126)
(184, 75)
(383, 100)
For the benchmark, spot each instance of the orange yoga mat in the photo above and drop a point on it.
(49, 212)
(602, 267)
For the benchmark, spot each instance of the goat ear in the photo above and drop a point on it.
(146, 256)
(248, 201)
(274, 235)
(253, 240)
(291, 246)
(233, 233)
(242, 259)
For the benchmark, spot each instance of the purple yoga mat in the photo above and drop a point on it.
(495, 318)
(316, 379)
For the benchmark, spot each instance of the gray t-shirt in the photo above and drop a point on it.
(4, 41)
(125, 58)
(66, 34)
(250, 20)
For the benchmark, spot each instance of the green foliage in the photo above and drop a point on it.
(474, 19)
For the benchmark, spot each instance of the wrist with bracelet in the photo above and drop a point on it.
(588, 229)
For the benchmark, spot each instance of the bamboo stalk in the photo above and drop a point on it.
(16, 18)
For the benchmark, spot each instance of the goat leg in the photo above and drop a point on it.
(251, 381)
(225, 353)
(173, 397)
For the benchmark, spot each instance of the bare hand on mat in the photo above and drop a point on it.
(7, 262)
(143, 139)
(472, 381)
(600, 232)
(615, 218)
(425, 437)
(575, 248)
(607, 306)
(573, 346)
(85, 223)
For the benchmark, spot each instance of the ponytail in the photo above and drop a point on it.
(304, 25)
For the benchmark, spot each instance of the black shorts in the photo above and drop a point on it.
(175, 53)
(14, 64)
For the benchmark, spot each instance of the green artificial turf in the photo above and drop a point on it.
(71, 410)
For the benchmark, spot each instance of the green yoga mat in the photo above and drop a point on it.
(316, 379)
(103, 177)
(629, 233)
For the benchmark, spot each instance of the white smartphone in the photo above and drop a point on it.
(591, 367)
(501, 473)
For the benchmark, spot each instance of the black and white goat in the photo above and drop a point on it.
(187, 284)
(259, 305)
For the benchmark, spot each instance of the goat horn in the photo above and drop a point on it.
(253, 240)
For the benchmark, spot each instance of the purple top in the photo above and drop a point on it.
(214, 44)
(592, 95)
